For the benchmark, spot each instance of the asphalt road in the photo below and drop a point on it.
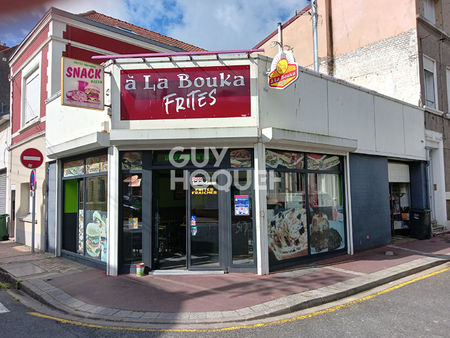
(420, 309)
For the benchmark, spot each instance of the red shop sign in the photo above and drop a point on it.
(185, 93)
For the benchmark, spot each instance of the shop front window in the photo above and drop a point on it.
(287, 217)
(85, 207)
(96, 217)
(132, 218)
(242, 217)
(305, 208)
(327, 231)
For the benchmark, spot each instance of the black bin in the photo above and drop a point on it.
(420, 223)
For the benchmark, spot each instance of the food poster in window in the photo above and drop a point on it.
(323, 162)
(240, 158)
(96, 234)
(74, 168)
(81, 231)
(327, 231)
(131, 160)
(93, 165)
(284, 159)
(287, 233)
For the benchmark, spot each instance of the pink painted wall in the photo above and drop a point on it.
(359, 23)
(355, 24)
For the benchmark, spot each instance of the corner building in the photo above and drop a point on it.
(196, 164)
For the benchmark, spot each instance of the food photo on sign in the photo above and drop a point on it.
(82, 84)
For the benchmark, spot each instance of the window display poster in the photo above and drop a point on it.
(287, 233)
(327, 232)
(241, 205)
(96, 234)
(132, 161)
(81, 231)
(74, 168)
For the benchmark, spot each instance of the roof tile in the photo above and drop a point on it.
(107, 20)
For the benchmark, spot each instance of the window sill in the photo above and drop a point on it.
(27, 218)
(433, 111)
(29, 125)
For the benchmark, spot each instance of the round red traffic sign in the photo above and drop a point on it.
(31, 158)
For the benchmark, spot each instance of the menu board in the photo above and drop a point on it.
(323, 162)
(74, 168)
(287, 159)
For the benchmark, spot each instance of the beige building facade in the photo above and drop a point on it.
(400, 49)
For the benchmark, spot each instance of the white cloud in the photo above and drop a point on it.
(231, 24)
(211, 24)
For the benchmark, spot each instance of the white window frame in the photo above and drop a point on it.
(429, 10)
(430, 65)
(31, 70)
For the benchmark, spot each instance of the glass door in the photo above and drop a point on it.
(169, 222)
(204, 223)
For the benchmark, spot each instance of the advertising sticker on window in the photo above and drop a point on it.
(241, 205)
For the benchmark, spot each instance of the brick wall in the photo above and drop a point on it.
(389, 67)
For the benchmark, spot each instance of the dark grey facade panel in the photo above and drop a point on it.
(418, 185)
(369, 185)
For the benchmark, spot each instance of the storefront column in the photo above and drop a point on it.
(262, 246)
(348, 203)
(59, 208)
(113, 212)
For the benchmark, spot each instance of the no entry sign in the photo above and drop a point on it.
(31, 158)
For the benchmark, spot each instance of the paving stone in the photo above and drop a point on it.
(245, 311)
(214, 315)
(87, 307)
(108, 311)
(150, 315)
(76, 304)
(197, 315)
(122, 313)
(229, 314)
(97, 309)
(168, 315)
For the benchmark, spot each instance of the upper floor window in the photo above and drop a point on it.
(430, 82)
(31, 102)
(429, 10)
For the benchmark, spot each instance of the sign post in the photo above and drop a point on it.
(32, 158)
(33, 205)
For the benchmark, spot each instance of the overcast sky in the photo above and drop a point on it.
(210, 24)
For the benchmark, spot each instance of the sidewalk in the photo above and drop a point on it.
(86, 292)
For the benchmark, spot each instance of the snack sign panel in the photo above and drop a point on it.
(185, 93)
(82, 84)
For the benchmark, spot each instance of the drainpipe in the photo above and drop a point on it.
(280, 38)
(314, 26)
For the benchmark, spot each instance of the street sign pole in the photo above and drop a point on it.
(33, 205)
(33, 216)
